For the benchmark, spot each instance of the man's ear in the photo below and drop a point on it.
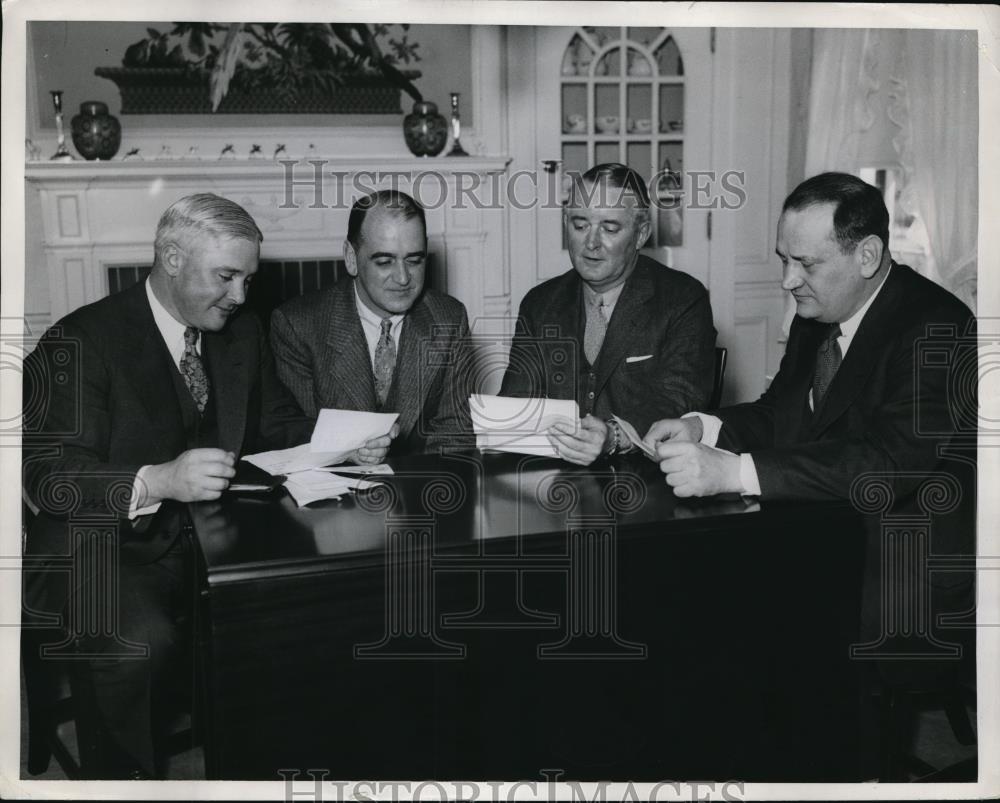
(645, 229)
(172, 259)
(350, 258)
(869, 254)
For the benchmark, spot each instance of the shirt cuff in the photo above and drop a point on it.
(748, 476)
(137, 490)
(710, 427)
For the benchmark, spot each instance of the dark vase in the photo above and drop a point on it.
(96, 134)
(425, 131)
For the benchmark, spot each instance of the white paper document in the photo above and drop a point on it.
(298, 458)
(306, 487)
(508, 424)
(343, 431)
(634, 438)
(381, 468)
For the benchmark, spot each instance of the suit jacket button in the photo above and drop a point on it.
(590, 395)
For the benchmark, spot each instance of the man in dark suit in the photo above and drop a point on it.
(379, 340)
(169, 385)
(854, 401)
(619, 333)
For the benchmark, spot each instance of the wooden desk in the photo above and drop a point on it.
(490, 617)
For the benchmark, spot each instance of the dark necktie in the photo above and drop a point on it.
(193, 370)
(596, 328)
(385, 362)
(828, 359)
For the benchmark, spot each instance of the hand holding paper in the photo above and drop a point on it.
(579, 442)
(346, 431)
(519, 425)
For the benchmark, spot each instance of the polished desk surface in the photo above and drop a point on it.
(472, 498)
(492, 616)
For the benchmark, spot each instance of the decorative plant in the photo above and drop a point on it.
(292, 57)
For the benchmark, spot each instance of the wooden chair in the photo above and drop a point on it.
(718, 378)
(59, 696)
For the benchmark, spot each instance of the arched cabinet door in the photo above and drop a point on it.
(637, 95)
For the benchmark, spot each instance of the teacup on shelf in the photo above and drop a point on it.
(642, 126)
(575, 124)
(675, 126)
(607, 124)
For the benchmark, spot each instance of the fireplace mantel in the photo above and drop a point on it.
(96, 215)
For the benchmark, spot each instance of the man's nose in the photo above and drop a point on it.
(593, 240)
(238, 292)
(402, 273)
(791, 276)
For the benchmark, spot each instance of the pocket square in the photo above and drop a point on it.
(638, 359)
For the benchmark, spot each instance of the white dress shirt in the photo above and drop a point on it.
(712, 426)
(371, 324)
(172, 332)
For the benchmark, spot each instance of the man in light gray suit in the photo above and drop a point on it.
(379, 340)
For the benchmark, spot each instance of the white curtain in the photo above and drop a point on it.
(936, 107)
(843, 90)
(843, 87)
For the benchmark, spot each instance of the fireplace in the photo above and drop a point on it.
(99, 218)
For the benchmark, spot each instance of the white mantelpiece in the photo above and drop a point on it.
(99, 214)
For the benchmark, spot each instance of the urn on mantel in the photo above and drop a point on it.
(425, 129)
(96, 134)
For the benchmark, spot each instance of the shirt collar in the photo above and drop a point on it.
(610, 296)
(849, 328)
(171, 330)
(368, 316)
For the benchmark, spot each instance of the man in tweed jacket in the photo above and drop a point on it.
(379, 340)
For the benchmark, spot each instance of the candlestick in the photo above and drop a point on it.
(61, 154)
(456, 128)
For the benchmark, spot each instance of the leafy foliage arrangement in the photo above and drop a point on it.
(292, 57)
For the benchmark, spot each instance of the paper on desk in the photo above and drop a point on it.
(381, 468)
(298, 458)
(508, 424)
(634, 438)
(306, 487)
(343, 431)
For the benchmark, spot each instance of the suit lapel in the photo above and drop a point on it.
(412, 374)
(226, 359)
(630, 312)
(146, 364)
(350, 374)
(866, 347)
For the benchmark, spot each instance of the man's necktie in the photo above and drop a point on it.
(385, 361)
(828, 359)
(193, 370)
(596, 328)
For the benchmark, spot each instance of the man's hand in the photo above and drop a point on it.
(581, 444)
(374, 451)
(198, 475)
(678, 430)
(693, 469)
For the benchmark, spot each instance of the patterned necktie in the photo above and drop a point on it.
(828, 359)
(193, 370)
(385, 361)
(596, 328)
